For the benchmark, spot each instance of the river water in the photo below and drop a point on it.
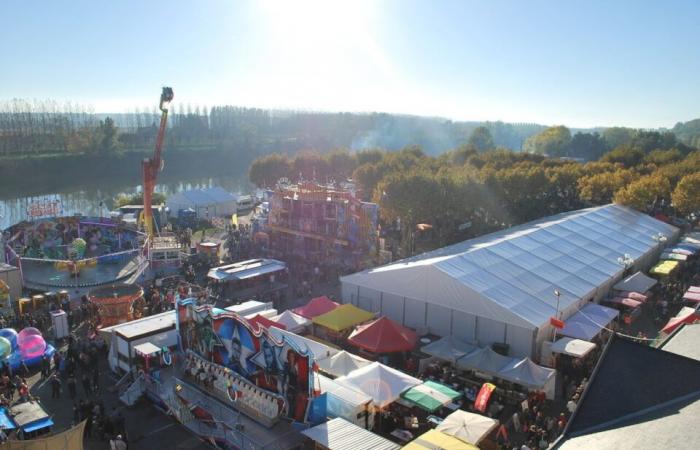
(99, 198)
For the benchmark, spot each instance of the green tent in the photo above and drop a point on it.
(430, 395)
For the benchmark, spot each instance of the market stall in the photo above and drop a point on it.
(434, 439)
(576, 348)
(664, 268)
(335, 324)
(588, 322)
(449, 348)
(339, 434)
(342, 363)
(685, 315)
(350, 404)
(316, 307)
(430, 396)
(637, 282)
(468, 427)
(383, 336)
(530, 375)
(485, 360)
(292, 321)
(384, 384)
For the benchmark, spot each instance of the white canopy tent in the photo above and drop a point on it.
(636, 283)
(342, 363)
(485, 360)
(339, 434)
(344, 402)
(499, 288)
(294, 322)
(526, 373)
(469, 427)
(449, 348)
(380, 382)
(573, 347)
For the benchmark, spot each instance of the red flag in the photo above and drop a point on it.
(484, 395)
(556, 323)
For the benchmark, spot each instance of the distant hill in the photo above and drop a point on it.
(688, 132)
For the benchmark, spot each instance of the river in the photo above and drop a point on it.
(97, 198)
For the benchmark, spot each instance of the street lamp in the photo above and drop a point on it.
(558, 295)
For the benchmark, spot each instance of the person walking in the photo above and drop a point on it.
(55, 386)
(71, 386)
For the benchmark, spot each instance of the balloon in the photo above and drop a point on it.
(25, 333)
(32, 346)
(11, 335)
(5, 347)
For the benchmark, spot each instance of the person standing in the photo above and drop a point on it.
(55, 386)
(71, 386)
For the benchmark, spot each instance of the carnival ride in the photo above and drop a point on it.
(151, 166)
(27, 347)
(115, 303)
(76, 251)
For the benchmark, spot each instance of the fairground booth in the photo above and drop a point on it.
(334, 326)
(248, 279)
(383, 338)
(315, 307)
(115, 302)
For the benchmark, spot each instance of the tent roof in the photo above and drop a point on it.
(573, 347)
(316, 307)
(383, 336)
(467, 426)
(342, 363)
(588, 321)
(526, 373)
(430, 395)
(292, 321)
(432, 439)
(262, 321)
(339, 434)
(348, 395)
(685, 315)
(485, 360)
(343, 317)
(202, 197)
(510, 275)
(636, 283)
(380, 382)
(449, 348)
(664, 267)
(147, 349)
(318, 349)
(244, 270)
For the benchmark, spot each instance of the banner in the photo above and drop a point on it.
(482, 399)
(44, 208)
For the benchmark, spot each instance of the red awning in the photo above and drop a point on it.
(383, 336)
(692, 297)
(631, 303)
(686, 315)
(633, 295)
(316, 307)
(262, 321)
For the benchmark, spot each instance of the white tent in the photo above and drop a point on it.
(526, 373)
(588, 322)
(294, 322)
(207, 203)
(499, 288)
(573, 347)
(484, 360)
(636, 283)
(342, 363)
(380, 382)
(339, 434)
(344, 402)
(449, 348)
(469, 427)
(319, 350)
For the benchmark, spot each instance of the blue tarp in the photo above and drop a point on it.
(38, 425)
(6, 421)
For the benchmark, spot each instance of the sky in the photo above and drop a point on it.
(578, 63)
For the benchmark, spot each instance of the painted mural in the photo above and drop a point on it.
(227, 339)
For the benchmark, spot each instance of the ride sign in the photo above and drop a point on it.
(45, 208)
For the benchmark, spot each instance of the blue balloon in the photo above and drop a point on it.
(11, 335)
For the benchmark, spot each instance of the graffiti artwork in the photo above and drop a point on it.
(227, 340)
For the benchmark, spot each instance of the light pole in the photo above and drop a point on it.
(558, 295)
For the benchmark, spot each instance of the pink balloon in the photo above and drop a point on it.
(32, 346)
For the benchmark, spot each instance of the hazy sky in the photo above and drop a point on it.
(579, 63)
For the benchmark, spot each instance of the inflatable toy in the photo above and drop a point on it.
(5, 347)
(11, 335)
(27, 346)
(32, 347)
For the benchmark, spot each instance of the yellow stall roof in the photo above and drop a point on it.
(437, 439)
(343, 317)
(664, 268)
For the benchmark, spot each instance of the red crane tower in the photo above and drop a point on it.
(153, 165)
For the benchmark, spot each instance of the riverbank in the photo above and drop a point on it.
(65, 173)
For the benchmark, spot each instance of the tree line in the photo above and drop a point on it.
(466, 192)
